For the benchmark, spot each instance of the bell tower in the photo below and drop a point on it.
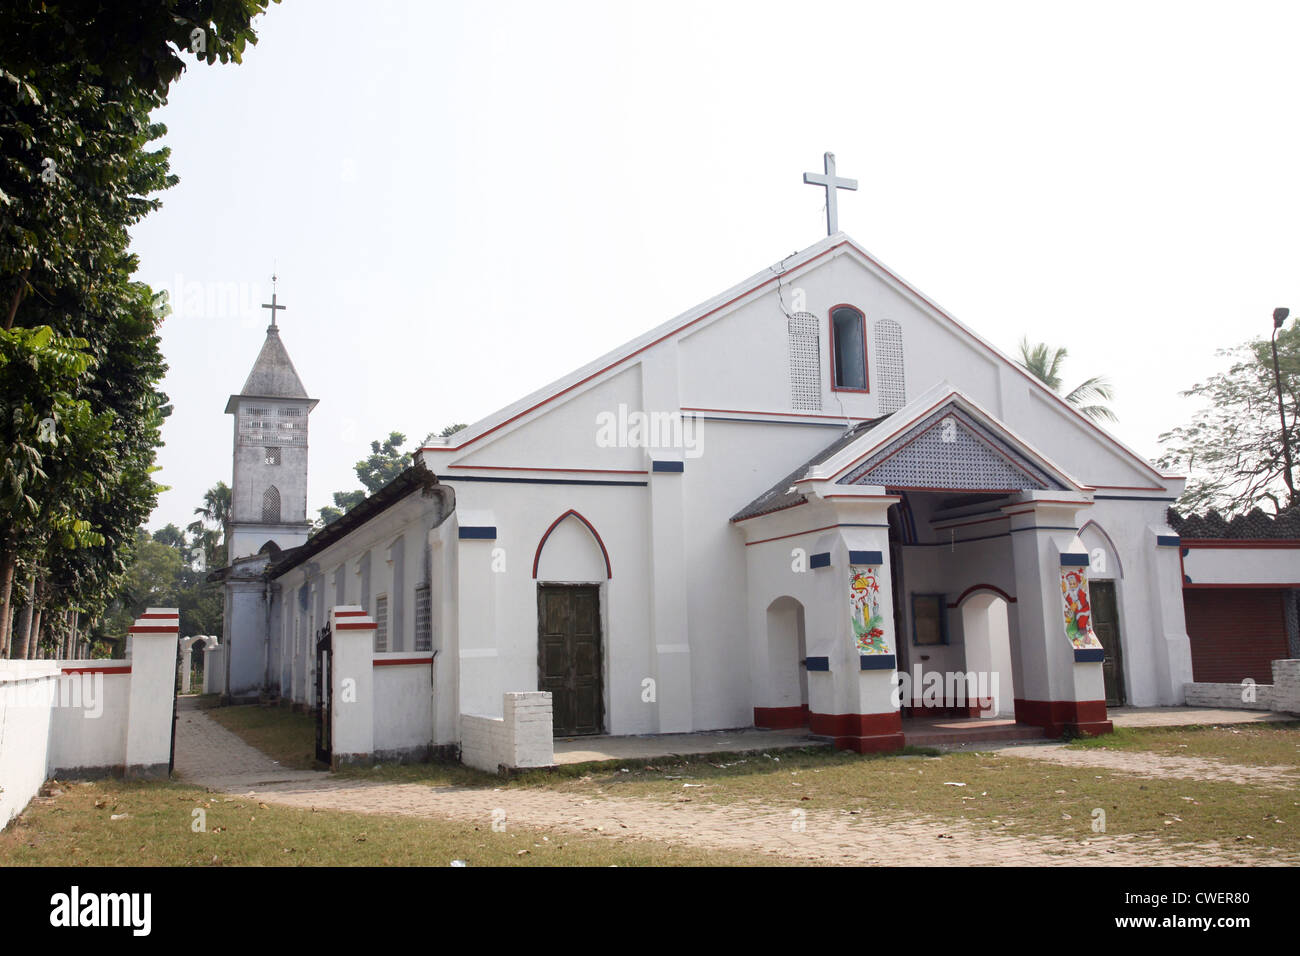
(268, 489)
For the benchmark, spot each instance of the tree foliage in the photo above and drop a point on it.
(80, 357)
(1232, 450)
(384, 463)
(1044, 362)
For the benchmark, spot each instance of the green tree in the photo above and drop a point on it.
(385, 462)
(1044, 363)
(1232, 450)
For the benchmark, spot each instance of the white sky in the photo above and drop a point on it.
(466, 201)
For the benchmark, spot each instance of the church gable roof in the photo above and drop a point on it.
(273, 374)
(942, 441)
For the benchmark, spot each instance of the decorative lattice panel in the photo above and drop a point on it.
(949, 451)
(266, 426)
(805, 363)
(891, 389)
(271, 505)
(423, 619)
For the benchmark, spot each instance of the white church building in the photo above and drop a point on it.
(757, 514)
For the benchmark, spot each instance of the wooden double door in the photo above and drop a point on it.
(569, 659)
(1105, 624)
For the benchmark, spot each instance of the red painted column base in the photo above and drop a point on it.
(1085, 718)
(781, 718)
(862, 733)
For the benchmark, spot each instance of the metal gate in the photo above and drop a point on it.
(324, 699)
(176, 694)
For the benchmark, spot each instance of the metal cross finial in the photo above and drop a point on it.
(831, 183)
(273, 306)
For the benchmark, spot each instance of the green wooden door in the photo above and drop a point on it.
(1105, 624)
(569, 657)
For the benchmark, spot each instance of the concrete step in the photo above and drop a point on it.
(936, 736)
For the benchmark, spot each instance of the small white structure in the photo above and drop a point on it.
(189, 646)
(761, 512)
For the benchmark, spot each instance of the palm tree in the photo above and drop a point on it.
(215, 511)
(1044, 363)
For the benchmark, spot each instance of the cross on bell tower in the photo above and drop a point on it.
(280, 308)
(831, 182)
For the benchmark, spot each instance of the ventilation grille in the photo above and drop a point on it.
(381, 623)
(805, 363)
(891, 389)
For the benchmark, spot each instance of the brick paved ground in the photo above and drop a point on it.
(209, 755)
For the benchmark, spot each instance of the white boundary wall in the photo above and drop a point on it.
(520, 738)
(81, 718)
(1283, 695)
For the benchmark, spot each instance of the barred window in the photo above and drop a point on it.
(381, 622)
(272, 456)
(423, 618)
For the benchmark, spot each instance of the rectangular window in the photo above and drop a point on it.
(849, 348)
(381, 622)
(272, 456)
(929, 619)
(423, 619)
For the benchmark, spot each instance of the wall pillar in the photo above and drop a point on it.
(1060, 685)
(352, 685)
(151, 646)
(852, 647)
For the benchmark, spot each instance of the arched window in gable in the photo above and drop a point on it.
(848, 349)
(271, 505)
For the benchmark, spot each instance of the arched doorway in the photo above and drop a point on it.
(786, 694)
(987, 633)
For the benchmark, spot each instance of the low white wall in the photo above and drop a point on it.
(26, 691)
(403, 705)
(79, 718)
(523, 737)
(1283, 695)
(1286, 686)
(1229, 696)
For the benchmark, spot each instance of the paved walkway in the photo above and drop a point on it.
(582, 749)
(211, 756)
(1189, 716)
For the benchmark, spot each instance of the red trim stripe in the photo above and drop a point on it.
(403, 660)
(357, 626)
(152, 629)
(983, 587)
(104, 669)
(537, 556)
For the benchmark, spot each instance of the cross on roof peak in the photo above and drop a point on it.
(273, 306)
(831, 182)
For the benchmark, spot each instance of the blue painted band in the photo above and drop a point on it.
(876, 662)
(866, 557)
(1168, 541)
(822, 559)
(1069, 560)
(671, 467)
(818, 663)
(1089, 655)
(1128, 498)
(541, 481)
(480, 533)
(765, 421)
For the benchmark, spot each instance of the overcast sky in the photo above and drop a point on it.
(466, 201)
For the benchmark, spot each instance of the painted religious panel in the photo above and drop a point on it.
(869, 630)
(1078, 611)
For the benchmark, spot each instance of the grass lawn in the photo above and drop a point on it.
(1274, 744)
(278, 732)
(1000, 793)
(75, 828)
